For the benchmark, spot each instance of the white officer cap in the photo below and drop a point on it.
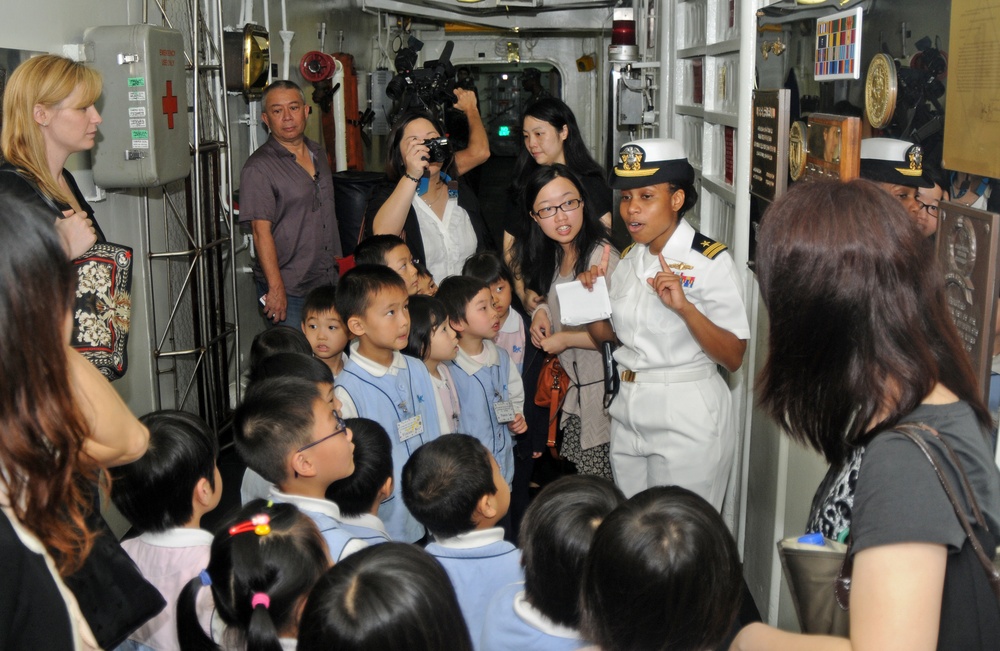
(650, 162)
(888, 160)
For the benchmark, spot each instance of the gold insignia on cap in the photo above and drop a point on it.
(915, 156)
(631, 157)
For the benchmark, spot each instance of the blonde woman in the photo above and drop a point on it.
(48, 114)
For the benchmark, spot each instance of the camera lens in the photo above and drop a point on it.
(394, 89)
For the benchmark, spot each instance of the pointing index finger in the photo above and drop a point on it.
(606, 256)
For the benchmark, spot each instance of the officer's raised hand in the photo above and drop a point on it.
(667, 286)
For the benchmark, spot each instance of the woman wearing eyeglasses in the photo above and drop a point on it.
(928, 200)
(565, 237)
(677, 309)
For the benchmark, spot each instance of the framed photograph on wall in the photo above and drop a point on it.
(834, 146)
(838, 46)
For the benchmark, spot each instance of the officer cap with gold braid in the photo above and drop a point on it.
(888, 160)
(650, 162)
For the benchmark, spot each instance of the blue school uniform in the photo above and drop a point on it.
(512, 623)
(366, 527)
(394, 397)
(479, 386)
(479, 564)
(326, 515)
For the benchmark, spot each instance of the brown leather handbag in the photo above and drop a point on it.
(553, 383)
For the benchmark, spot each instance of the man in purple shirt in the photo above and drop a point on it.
(286, 194)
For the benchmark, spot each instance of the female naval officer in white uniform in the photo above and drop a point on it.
(677, 309)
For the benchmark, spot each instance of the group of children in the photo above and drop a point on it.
(657, 571)
(390, 423)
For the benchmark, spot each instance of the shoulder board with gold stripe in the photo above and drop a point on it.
(625, 251)
(707, 246)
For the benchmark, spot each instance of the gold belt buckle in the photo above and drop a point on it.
(628, 376)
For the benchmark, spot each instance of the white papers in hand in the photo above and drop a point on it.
(579, 306)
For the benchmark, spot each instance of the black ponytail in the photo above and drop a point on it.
(261, 634)
(190, 634)
(263, 563)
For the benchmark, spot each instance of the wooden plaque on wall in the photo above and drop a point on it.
(968, 244)
(834, 147)
(769, 148)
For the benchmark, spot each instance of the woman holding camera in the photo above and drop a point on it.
(423, 199)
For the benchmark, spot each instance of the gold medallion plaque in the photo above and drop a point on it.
(797, 150)
(880, 90)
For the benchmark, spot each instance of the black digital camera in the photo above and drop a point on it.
(428, 88)
(438, 150)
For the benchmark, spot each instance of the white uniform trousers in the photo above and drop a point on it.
(674, 428)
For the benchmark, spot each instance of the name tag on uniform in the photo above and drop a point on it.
(410, 427)
(504, 409)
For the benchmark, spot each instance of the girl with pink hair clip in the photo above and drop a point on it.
(263, 564)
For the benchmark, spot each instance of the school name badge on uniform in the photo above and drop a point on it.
(504, 410)
(410, 427)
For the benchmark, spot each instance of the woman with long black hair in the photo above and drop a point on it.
(551, 136)
(566, 237)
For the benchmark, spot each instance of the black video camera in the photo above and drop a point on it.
(429, 88)
(438, 150)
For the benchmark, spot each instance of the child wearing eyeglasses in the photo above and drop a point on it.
(290, 434)
(298, 365)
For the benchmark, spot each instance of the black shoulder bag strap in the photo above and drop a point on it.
(909, 431)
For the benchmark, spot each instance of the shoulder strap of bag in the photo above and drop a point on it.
(907, 430)
(10, 169)
(559, 378)
(966, 485)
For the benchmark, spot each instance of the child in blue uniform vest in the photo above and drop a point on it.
(489, 387)
(454, 487)
(543, 613)
(360, 494)
(488, 267)
(289, 433)
(380, 383)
